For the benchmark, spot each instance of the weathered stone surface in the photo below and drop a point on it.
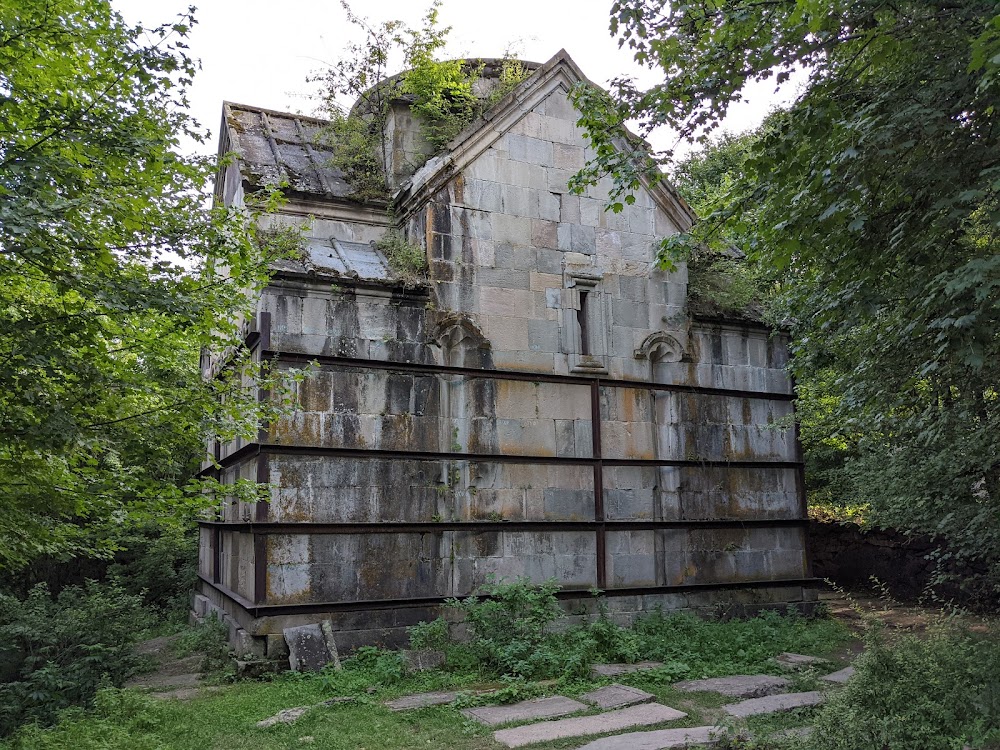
(658, 739)
(311, 647)
(537, 708)
(422, 660)
(420, 700)
(612, 721)
(617, 696)
(736, 686)
(773, 704)
(839, 677)
(613, 670)
(798, 661)
(252, 669)
(288, 716)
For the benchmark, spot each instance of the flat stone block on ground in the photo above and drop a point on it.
(614, 670)
(798, 661)
(537, 708)
(420, 700)
(773, 704)
(582, 726)
(839, 677)
(737, 685)
(311, 647)
(617, 696)
(658, 739)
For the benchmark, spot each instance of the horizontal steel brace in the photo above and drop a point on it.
(277, 610)
(253, 449)
(436, 527)
(541, 377)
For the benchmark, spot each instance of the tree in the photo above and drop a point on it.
(876, 196)
(107, 252)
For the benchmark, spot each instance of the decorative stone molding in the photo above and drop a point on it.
(660, 347)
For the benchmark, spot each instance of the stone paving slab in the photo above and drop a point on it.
(839, 677)
(658, 739)
(581, 726)
(737, 685)
(614, 670)
(798, 661)
(420, 700)
(536, 708)
(617, 696)
(773, 703)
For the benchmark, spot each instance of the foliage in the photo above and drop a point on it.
(936, 692)
(58, 651)
(209, 638)
(875, 197)
(406, 260)
(359, 89)
(107, 254)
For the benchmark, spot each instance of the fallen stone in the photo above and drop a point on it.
(420, 700)
(612, 721)
(536, 708)
(420, 661)
(288, 716)
(658, 739)
(798, 661)
(311, 647)
(614, 670)
(617, 696)
(773, 703)
(839, 677)
(736, 686)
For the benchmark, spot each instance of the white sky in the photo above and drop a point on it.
(259, 52)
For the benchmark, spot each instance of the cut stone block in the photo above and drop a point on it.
(582, 726)
(737, 685)
(613, 670)
(839, 677)
(420, 661)
(773, 704)
(798, 661)
(658, 739)
(537, 708)
(420, 700)
(617, 696)
(311, 647)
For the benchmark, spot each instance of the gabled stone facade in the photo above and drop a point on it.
(543, 405)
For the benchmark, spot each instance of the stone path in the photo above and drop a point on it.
(616, 670)
(839, 677)
(737, 686)
(617, 696)
(537, 708)
(420, 700)
(612, 721)
(773, 703)
(658, 739)
(798, 661)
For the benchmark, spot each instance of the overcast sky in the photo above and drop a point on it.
(260, 52)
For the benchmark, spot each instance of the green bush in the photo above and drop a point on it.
(57, 652)
(161, 565)
(940, 691)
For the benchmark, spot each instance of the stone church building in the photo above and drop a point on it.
(543, 403)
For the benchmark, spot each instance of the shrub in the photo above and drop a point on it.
(161, 565)
(936, 692)
(58, 651)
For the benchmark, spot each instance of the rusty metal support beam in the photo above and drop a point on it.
(278, 610)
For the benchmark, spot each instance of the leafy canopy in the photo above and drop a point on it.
(876, 196)
(107, 252)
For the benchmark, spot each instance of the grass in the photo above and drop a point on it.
(226, 720)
